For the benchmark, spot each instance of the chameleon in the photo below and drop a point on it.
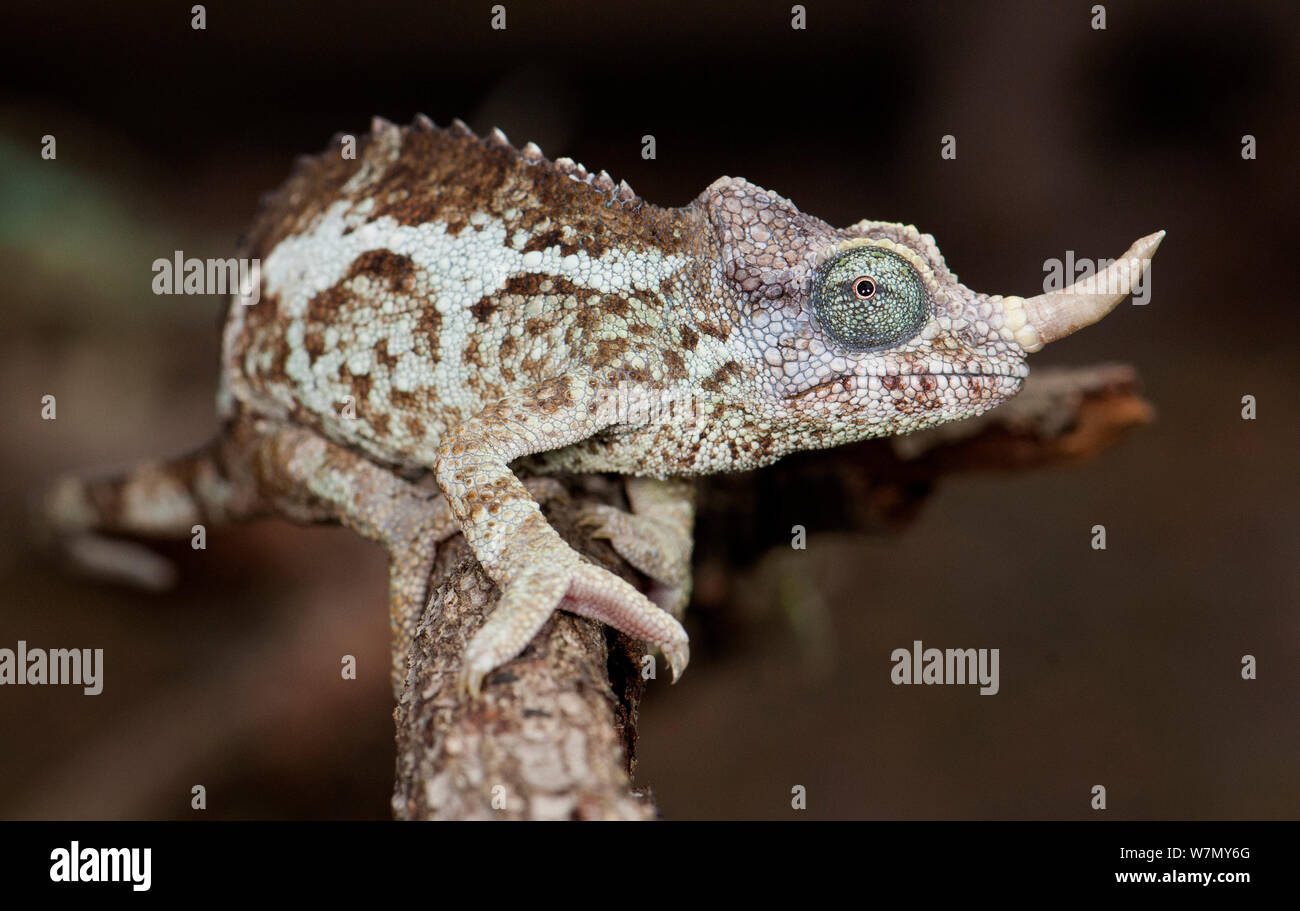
(446, 310)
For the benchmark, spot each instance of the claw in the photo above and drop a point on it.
(678, 655)
(469, 683)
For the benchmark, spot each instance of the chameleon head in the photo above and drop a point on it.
(868, 329)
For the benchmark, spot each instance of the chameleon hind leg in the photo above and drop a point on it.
(655, 537)
(255, 468)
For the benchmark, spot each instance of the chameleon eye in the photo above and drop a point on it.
(869, 297)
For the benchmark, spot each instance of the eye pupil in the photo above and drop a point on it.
(864, 288)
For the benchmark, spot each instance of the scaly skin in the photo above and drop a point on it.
(448, 304)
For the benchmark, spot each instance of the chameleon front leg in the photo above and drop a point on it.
(536, 570)
(655, 537)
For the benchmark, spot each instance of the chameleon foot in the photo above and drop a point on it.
(598, 593)
(573, 585)
(655, 538)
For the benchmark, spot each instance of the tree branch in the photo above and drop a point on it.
(554, 734)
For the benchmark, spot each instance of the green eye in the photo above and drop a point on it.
(868, 297)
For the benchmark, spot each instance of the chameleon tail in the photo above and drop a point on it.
(151, 500)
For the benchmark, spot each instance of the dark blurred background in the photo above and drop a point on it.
(1119, 668)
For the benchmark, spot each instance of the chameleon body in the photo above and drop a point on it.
(447, 304)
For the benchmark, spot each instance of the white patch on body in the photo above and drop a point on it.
(459, 270)
(451, 274)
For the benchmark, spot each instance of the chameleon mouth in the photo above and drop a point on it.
(850, 382)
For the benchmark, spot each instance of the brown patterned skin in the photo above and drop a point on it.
(449, 304)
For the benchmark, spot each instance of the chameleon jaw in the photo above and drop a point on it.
(852, 382)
